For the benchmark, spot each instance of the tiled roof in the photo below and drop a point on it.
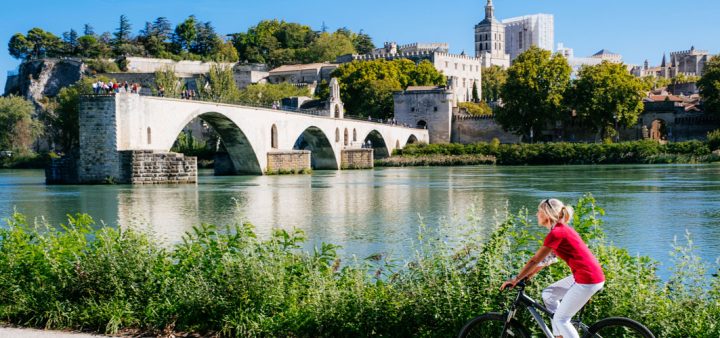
(295, 68)
(661, 98)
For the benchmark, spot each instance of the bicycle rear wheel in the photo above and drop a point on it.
(490, 325)
(618, 327)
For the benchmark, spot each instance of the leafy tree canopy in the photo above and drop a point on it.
(366, 87)
(709, 86)
(534, 90)
(605, 95)
(493, 78)
(17, 127)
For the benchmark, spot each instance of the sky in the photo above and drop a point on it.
(636, 29)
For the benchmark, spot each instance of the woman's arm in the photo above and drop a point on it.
(529, 268)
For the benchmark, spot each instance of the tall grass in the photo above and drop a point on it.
(229, 282)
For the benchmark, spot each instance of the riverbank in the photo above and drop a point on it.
(231, 282)
(26, 161)
(635, 152)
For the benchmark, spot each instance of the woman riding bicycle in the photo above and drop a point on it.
(567, 296)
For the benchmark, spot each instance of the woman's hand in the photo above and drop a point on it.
(510, 282)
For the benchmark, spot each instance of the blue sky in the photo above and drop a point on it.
(637, 29)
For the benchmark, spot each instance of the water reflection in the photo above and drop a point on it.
(380, 210)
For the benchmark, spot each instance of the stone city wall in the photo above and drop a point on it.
(150, 65)
(293, 161)
(356, 159)
(473, 129)
(155, 167)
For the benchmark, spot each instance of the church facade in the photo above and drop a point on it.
(500, 42)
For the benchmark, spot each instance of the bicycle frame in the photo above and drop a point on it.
(535, 309)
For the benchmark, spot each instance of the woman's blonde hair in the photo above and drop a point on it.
(556, 211)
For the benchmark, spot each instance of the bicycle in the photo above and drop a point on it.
(495, 324)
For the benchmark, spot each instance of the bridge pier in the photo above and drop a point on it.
(357, 158)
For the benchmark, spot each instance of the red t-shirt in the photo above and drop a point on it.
(567, 244)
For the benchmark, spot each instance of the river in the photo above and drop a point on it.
(379, 211)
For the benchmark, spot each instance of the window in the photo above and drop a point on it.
(463, 67)
(412, 109)
(273, 137)
(337, 134)
(435, 109)
(354, 135)
(446, 64)
(149, 135)
(346, 138)
(520, 42)
(455, 65)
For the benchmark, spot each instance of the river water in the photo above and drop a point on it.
(379, 211)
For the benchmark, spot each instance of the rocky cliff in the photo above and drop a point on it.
(40, 78)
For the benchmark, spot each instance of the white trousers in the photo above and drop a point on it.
(565, 298)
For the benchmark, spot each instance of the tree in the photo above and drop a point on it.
(475, 93)
(186, 33)
(71, 42)
(226, 53)
(366, 87)
(207, 41)
(533, 93)
(607, 96)
(219, 85)
(327, 47)
(266, 94)
(19, 47)
(709, 85)
(123, 32)
(170, 83)
(654, 82)
(18, 129)
(37, 43)
(476, 109)
(493, 78)
(88, 30)
(363, 43)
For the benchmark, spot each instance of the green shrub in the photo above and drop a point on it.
(229, 282)
(646, 151)
(99, 66)
(713, 139)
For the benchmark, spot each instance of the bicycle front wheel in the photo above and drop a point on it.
(491, 325)
(618, 327)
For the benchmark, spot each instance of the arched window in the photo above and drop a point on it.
(354, 135)
(397, 144)
(149, 135)
(337, 111)
(421, 124)
(273, 137)
(337, 134)
(346, 137)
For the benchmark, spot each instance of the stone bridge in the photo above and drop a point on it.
(111, 126)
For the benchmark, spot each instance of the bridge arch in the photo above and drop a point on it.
(240, 150)
(322, 155)
(378, 144)
(411, 140)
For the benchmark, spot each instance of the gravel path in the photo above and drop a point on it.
(33, 333)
